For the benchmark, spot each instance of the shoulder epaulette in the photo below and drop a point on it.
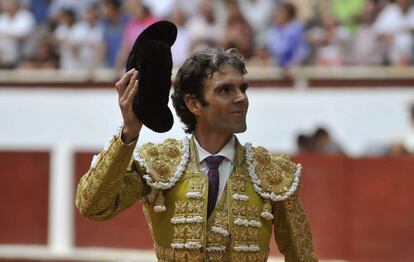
(274, 177)
(164, 163)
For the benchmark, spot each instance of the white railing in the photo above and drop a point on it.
(300, 74)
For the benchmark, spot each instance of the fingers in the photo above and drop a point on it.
(131, 84)
(133, 91)
(121, 85)
(127, 93)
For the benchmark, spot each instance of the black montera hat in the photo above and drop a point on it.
(151, 56)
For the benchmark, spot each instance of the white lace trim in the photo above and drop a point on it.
(251, 167)
(95, 161)
(220, 249)
(240, 197)
(220, 230)
(193, 195)
(178, 173)
(159, 208)
(247, 248)
(192, 245)
(177, 245)
(246, 222)
(188, 245)
(182, 220)
(267, 215)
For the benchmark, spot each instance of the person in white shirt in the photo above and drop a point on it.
(181, 48)
(80, 42)
(16, 25)
(205, 29)
(395, 25)
(87, 38)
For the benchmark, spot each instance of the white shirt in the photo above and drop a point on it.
(226, 166)
(13, 30)
(88, 38)
(394, 22)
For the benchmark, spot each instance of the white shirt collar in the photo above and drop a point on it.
(228, 151)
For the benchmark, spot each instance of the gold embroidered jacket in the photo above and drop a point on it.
(261, 196)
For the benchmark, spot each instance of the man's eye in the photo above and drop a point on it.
(224, 90)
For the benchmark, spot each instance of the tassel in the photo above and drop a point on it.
(159, 203)
(267, 211)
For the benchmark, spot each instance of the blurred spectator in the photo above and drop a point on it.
(140, 18)
(78, 6)
(258, 13)
(40, 10)
(395, 24)
(407, 141)
(63, 36)
(261, 58)
(365, 47)
(304, 144)
(323, 143)
(113, 23)
(190, 8)
(397, 149)
(286, 37)
(87, 39)
(304, 10)
(329, 41)
(161, 8)
(44, 57)
(347, 12)
(239, 33)
(181, 48)
(16, 24)
(319, 142)
(204, 29)
(80, 42)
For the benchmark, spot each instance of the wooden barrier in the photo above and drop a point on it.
(24, 186)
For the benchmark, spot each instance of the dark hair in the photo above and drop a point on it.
(290, 9)
(320, 132)
(116, 4)
(190, 79)
(70, 13)
(303, 141)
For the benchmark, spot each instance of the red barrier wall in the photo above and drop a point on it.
(24, 186)
(381, 208)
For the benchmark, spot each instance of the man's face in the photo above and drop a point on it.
(227, 101)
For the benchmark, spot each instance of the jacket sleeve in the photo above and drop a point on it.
(112, 184)
(292, 230)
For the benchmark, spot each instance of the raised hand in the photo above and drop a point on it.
(127, 87)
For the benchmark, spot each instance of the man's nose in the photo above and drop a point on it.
(241, 97)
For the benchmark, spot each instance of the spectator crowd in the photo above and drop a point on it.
(90, 34)
(321, 141)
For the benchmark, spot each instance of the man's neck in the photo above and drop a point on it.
(212, 142)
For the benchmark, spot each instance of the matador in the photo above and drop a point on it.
(206, 197)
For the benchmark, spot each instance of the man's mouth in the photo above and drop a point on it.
(240, 112)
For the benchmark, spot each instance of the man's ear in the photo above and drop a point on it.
(192, 104)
